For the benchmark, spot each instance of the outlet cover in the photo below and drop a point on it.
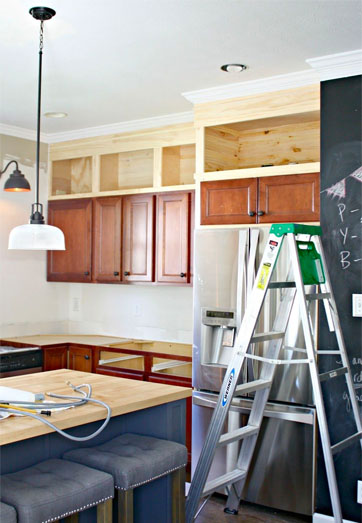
(357, 305)
(359, 491)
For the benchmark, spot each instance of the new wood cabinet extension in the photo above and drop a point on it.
(74, 218)
(270, 199)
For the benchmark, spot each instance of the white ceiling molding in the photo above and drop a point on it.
(122, 127)
(263, 85)
(339, 65)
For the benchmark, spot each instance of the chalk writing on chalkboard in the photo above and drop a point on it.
(339, 188)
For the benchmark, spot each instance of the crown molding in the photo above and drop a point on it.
(122, 127)
(340, 65)
(238, 90)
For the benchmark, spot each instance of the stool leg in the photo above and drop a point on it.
(125, 506)
(178, 495)
(104, 511)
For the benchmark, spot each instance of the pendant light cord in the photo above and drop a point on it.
(37, 208)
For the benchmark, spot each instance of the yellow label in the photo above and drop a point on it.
(263, 276)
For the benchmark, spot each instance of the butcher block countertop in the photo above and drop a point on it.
(122, 395)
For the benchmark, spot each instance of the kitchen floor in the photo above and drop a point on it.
(213, 512)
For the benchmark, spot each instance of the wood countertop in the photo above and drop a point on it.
(122, 395)
(42, 340)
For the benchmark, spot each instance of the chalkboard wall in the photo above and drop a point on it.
(341, 211)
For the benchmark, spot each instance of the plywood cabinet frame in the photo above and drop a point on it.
(155, 142)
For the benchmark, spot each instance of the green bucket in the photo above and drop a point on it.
(310, 263)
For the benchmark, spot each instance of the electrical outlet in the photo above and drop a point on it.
(359, 492)
(357, 305)
(75, 304)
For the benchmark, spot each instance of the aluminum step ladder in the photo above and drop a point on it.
(307, 267)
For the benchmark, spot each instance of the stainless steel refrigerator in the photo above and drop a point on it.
(282, 472)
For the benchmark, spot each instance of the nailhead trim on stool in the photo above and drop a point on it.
(55, 489)
(133, 460)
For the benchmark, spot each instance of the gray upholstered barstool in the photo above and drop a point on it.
(56, 489)
(134, 460)
(7, 513)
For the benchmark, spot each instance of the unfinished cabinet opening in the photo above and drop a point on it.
(72, 176)
(121, 360)
(127, 170)
(178, 165)
(172, 367)
(271, 141)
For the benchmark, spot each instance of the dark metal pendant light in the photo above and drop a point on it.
(36, 235)
(17, 181)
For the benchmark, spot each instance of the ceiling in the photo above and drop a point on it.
(111, 61)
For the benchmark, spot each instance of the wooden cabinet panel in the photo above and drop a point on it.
(271, 199)
(173, 238)
(74, 218)
(80, 358)
(293, 198)
(107, 239)
(138, 237)
(55, 358)
(228, 201)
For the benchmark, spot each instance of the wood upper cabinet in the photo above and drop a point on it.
(228, 201)
(270, 199)
(138, 237)
(74, 218)
(293, 198)
(107, 239)
(173, 237)
(80, 358)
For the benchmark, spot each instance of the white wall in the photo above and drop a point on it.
(28, 304)
(31, 305)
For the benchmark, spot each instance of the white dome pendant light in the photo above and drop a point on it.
(36, 235)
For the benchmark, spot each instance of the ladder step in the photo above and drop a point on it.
(223, 481)
(333, 373)
(281, 284)
(236, 435)
(251, 386)
(318, 296)
(265, 336)
(346, 442)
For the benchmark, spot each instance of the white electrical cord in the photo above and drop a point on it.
(87, 397)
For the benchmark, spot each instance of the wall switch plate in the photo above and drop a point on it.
(357, 305)
(359, 491)
(75, 304)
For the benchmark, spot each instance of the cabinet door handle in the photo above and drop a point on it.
(261, 213)
(126, 273)
(251, 213)
(86, 273)
(116, 273)
(183, 274)
(86, 357)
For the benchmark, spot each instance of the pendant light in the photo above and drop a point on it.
(17, 181)
(36, 235)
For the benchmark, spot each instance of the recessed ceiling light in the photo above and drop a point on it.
(233, 68)
(54, 114)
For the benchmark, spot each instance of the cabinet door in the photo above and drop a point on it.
(173, 238)
(138, 238)
(55, 358)
(107, 239)
(229, 201)
(293, 198)
(80, 358)
(74, 218)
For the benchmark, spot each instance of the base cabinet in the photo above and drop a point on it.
(55, 358)
(67, 357)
